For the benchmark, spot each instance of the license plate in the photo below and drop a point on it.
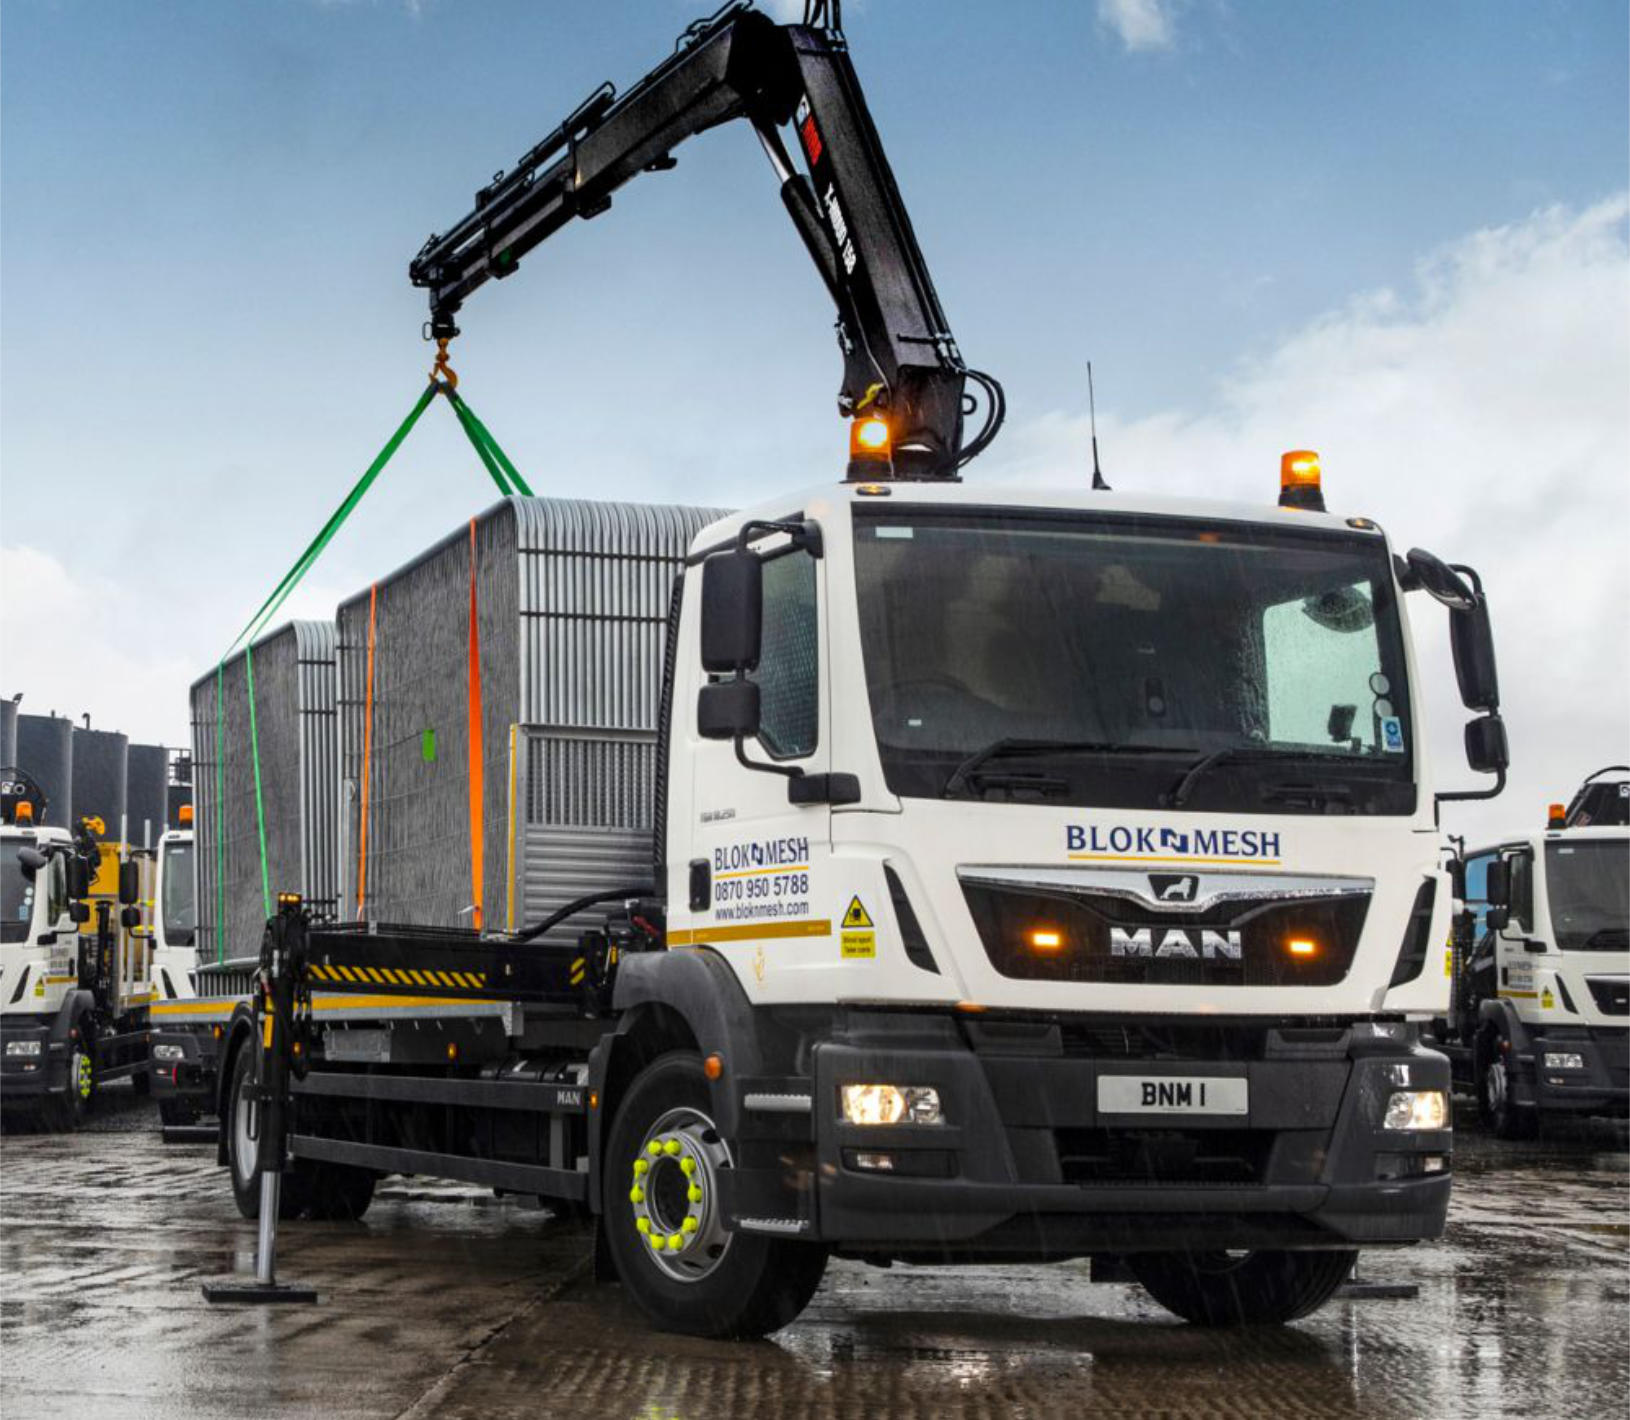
(1171, 1094)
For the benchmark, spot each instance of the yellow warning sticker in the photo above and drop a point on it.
(859, 944)
(1546, 1000)
(856, 915)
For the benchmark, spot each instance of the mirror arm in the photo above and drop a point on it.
(789, 771)
(1461, 795)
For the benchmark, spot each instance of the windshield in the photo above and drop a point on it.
(1589, 888)
(180, 893)
(1139, 645)
(16, 892)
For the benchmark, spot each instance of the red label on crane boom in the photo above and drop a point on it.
(812, 140)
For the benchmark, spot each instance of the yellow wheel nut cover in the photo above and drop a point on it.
(676, 1242)
(694, 1194)
(643, 1225)
(636, 1194)
(671, 1147)
(641, 1167)
(654, 1148)
(688, 1226)
(656, 1241)
(687, 1167)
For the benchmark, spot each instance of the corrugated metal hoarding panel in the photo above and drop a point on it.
(571, 598)
(295, 726)
(8, 733)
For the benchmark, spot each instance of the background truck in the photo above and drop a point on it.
(967, 872)
(1539, 1024)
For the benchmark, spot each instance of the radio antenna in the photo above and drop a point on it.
(1092, 406)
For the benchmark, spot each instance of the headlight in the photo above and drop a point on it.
(168, 1052)
(1563, 1060)
(891, 1104)
(1417, 1109)
(22, 1047)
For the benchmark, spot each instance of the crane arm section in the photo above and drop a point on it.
(900, 359)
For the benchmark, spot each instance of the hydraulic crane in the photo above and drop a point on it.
(904, 380)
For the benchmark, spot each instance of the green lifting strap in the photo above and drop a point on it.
(509, 481)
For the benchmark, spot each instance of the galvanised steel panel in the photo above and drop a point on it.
(8, 733)
(295, 725)
(100, 758)
(147, 775)
(571, 600)
(45, 752)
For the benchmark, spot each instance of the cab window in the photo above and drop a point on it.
(788, 673)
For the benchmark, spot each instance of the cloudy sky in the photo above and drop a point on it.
(1392, 232)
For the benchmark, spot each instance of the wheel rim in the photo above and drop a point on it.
(674, 1195)
(1496, 1087)
(80, 1077)
(243, 1145)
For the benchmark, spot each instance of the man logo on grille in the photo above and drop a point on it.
(1174, 887)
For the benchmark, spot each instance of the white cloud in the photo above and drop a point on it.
(1140, 24)
(1484, 414)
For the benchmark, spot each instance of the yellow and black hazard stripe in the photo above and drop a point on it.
(578, 968)
(400, 976)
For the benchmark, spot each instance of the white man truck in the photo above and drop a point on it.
(1035, 875)
(1539, 1025)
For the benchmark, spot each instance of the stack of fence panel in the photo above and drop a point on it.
(295, 725)
(571, 601)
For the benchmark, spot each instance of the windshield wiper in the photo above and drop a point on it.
(1006, 747)
(1240, 754)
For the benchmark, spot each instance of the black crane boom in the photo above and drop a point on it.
(900, 358)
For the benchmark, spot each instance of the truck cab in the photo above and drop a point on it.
(175, 916)
(1541, 1020)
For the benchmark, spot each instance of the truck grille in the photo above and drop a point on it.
(1105, 937)
(1612, 994)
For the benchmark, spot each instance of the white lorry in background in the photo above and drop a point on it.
(76, 961)
(1540, 1021)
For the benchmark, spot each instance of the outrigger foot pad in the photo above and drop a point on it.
(255, 1294)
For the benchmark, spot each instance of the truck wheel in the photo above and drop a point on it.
(663, 1224)
(242, 1167)
(1495, 1102)
(1241, 1289)
(66, 1112)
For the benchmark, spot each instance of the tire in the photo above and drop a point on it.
(1244, 1289)
(715, 1283)
(1495, 1105)
(142, 1083)
(64, 1113)
(242, 1168)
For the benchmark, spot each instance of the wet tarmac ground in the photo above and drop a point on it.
(445, 1302)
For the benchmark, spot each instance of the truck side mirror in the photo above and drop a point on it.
(1486, 748)
(728, 709)
(31, 860)
(1497, 891)
(79, 880)
(130, 917)
(1496, 919)
(1457, 878)
(1472, 642)
(732, 611)
(79, 911)
(129, 883)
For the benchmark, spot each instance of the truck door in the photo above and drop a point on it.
(1516, 965)
(757, 861)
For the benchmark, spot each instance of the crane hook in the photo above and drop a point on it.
(441, 372)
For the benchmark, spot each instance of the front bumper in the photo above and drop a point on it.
(1027, 1165)
(1600, 1086)
(26, 1080)
(191, 1078)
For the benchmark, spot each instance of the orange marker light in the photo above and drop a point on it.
(24, 812)
(1046, 939)
(713, 1067)
(1557, 817)
(184, 816)
(1302, 947)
